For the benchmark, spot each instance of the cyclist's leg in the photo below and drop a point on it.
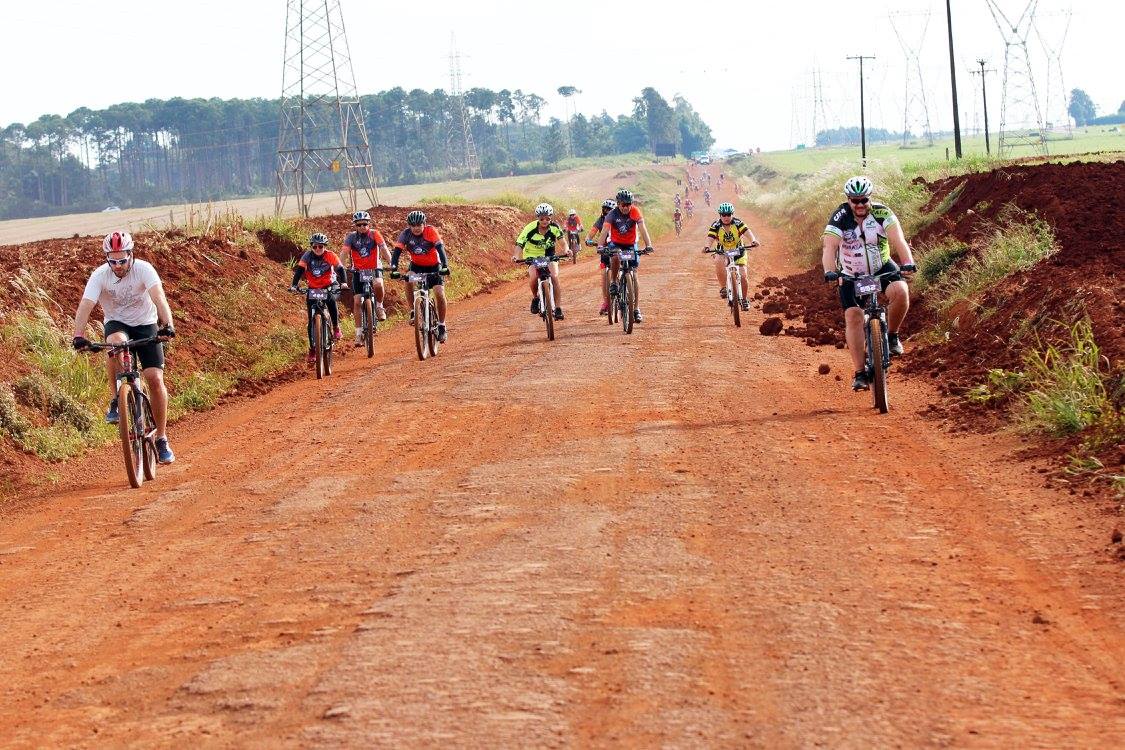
(533, 280)
(438, 290)
(741, 263)
(334, 313)
(721, 270)
(558, 286)
(309, 315)
(158, 397)
(853, 319)
(115, 334)
(898, 303)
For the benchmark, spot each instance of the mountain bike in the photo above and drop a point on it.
(623, 291)
(572, 239)
(734, 297)
(877, 357)
(135, 424)
(545, 290)
(367, 325)
(322, 340)
(425, 313)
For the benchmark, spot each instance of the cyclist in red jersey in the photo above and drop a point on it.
(574, 229)
(620, 231)
(321, 268)
(607, 205)
(427, 255)
(366, 250)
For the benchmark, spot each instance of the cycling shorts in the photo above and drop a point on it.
(149, 355)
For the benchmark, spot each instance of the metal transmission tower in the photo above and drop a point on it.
(1056, 98)
(468, 151)
(819, 117)
(1021, 120)
(322, 141)
(916, 113)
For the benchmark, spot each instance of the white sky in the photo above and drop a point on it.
(742, 64)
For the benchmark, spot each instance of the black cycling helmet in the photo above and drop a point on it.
(320, 238)
(415, 218)
(624, 196)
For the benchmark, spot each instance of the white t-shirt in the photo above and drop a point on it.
(125, 300)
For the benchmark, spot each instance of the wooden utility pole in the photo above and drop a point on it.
(984, 94)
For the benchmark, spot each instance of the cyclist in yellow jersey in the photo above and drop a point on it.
(729, 233)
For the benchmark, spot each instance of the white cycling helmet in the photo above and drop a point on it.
(117, 242)
(858, 187)
(572, 212)
(544, 209)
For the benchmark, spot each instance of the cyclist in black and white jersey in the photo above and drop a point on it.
(858, 241)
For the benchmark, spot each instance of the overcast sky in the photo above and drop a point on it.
(746, 66)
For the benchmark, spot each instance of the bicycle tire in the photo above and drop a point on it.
(328, 345)
(369, 326)
(629, 300)
(735, 300)
(879, 375)
(432, 319)
(318, 343)
(149, 441)
(125, 428)
(614, 301)
(420, 337)
(548, 311)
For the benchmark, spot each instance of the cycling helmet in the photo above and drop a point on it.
(726, 209)
(572, 212)
(544, 209)
(858, 187)
(320, 238)
(415, 218)
(624, 196)
(361, 216)
(117, 242)
(609, 204)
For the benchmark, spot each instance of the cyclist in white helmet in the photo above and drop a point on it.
(858, 241)
(541, 237)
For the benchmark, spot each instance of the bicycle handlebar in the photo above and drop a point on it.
(94, 346)
(531, 261)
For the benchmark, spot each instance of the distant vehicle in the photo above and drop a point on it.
(111, 208)
(705, 159)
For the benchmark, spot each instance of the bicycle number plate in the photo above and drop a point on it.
(733, 254)
(318, 294)
(866, 285)
(365, 276)
(628, 255)
(542, 262)
(415, 278)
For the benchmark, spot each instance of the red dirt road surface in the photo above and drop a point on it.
(682, 537)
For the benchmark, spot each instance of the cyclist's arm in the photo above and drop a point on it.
(899, 244)
(644, 231)
(345, 255)
(384, 253)
(829, 252)
(443, 262)
(298, 272)
(163, 310)
(341, 275)
(82, 317)
(394, 257)
(604, 239)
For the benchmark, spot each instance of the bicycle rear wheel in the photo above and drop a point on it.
(420, 336)
(318, 343)
(149, 440)
(368, 312)
(547, 311)
(879, 379)
(628, 300)
(132, 450)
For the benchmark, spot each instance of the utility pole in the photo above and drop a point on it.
(862, 112)
(953, 80)
(984, 93)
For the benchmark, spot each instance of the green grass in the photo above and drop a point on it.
(286, 229)
(935, 262)
(444, 200)
(199, 391)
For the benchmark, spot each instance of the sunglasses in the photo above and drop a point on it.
(119, 262)
(625, 205)
(859, 201)
(319, 247)
(361, 223)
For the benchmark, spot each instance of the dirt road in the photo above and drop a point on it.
(680, 537)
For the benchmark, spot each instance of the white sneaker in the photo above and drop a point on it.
(380, 312)
(359, 339)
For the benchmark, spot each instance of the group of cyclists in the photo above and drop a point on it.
(858, 241)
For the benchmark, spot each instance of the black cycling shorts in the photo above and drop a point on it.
(377, 273)
(434, 278)
(149, 355)
(847, 288)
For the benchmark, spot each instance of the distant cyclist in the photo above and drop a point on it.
(366, 250)
(689, 207)
(676, 200)
(541, 238)
(427, 256)
(321, 268)
(728, 234)
(858, 241)
(573, 229)
(620, 233)
(707, 197)
(132, 300)
(678, 219)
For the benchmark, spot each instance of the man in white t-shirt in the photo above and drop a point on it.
(132, 299)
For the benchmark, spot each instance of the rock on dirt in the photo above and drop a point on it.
(824, 369)
(771, 327)
(1116, 537)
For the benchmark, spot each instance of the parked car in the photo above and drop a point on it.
(111, 208)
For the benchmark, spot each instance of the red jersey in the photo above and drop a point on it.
(423, 247)
(623, 226)
(573, 223)
(320, 270)
(364, 247)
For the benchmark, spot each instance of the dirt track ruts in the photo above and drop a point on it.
(680, 537)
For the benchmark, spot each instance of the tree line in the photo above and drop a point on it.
(192, 150)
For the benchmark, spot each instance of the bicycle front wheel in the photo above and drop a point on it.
(129, 426)
(547, 305)
(318, 343)
(326, 337)
(369, 326)
(420, 323)
(879, 379)
(149, 443)
(629, 300)
(735, 298)
(432, 328)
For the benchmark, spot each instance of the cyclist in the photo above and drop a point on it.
(573, 229)
(133, 303)
(676, 200)
(427, 256)
(607, 205)
(689, 207)
(678, 219)
(541, 237)
(707, 197)
(366, 250)
(321, 268)
(727, 233)
(620, 232)
(858, 241)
